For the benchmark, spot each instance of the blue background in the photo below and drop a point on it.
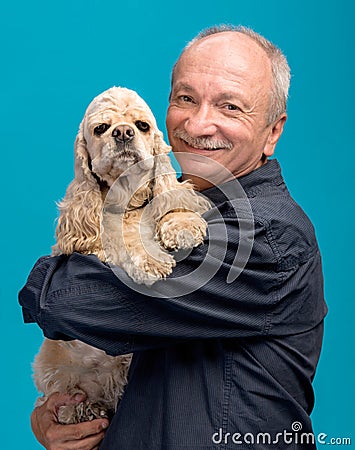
(56, 56)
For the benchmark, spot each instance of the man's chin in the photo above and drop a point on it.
(202, 167)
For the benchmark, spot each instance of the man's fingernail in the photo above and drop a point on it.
(104, 425)
(78, 397)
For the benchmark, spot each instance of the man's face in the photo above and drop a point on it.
(218, 108)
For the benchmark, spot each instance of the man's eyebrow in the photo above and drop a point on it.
(227, 95)
(233, 96)
(183, 86)
(230, 96)
(223, 96)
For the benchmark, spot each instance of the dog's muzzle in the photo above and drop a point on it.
(123, 134)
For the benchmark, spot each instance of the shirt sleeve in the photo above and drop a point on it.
(80, 297)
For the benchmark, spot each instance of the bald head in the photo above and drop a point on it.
(225, 46)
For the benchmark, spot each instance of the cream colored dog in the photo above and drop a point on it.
(126, 206)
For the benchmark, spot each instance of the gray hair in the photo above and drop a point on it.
(279, 66)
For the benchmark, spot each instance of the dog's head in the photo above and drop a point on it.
(117, 135)
(118, 130)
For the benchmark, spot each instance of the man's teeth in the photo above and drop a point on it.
(198, 147)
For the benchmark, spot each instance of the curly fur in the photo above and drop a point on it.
(126, 206)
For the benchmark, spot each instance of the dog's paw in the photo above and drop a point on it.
(148, 268)
(181, 230)
(82, 412)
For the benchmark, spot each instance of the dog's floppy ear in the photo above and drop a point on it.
(82, 167)
(165, 176)
(79, 221)
(160, 146)
(168, 193)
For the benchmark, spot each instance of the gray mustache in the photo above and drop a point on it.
(202, 143)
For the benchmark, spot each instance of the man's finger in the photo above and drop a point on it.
(81, 430)
(74, 437)
(56, 400)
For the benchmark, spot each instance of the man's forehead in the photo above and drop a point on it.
(224, 47)
(229, 54)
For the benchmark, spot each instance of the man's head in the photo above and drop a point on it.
(228, 102)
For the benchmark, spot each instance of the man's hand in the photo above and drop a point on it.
(54, 436)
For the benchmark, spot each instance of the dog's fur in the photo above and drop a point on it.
(126, 206)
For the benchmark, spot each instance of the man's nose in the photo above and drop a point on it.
(201, 122)
(123, 134)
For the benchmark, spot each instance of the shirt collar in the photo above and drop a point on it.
(250, 184)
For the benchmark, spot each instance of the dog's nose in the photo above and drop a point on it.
(123, 133)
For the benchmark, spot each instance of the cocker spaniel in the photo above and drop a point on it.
(126, 206)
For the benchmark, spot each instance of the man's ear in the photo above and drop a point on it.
(274, 135)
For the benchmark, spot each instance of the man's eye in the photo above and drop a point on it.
(231, 107)
(142, 126)
(185, 98)
(100, 129)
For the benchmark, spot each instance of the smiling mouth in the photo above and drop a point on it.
(202, 148)
(202, 144)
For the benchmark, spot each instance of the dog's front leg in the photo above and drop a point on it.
(128, 242)
(181, 229)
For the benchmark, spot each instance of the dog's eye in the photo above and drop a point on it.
(142, 126)
(100, 129)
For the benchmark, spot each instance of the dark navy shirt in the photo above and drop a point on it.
(227, 362)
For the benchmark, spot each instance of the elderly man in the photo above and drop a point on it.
(229, 363)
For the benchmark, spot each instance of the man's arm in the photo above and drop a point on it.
(79, 297)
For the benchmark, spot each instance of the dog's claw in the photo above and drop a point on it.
(83, 412)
